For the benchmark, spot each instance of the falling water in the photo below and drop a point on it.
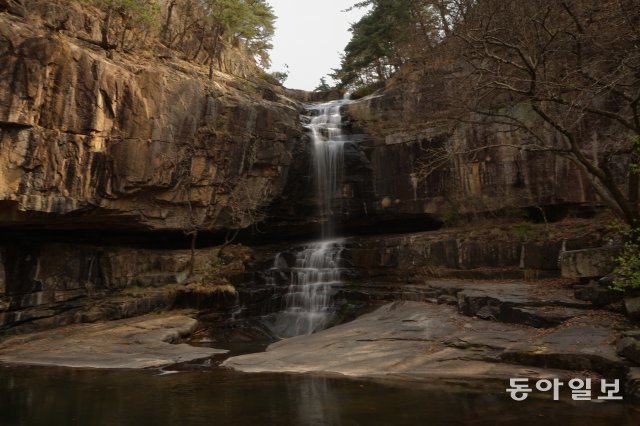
(328, 148)
(317, 269)
(308, 300)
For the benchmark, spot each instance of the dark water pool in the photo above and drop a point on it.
(51, 396)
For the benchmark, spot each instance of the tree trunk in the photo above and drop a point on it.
(214, 52)
(192, 262)
(228, 239)
(634, 184)
(105, 30)
(167, 22)
(442, 9)
(123, 37)
(195, 55)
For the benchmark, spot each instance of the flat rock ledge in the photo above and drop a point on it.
(417, 341)
(141, 342)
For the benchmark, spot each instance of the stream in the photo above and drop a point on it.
(33, 396)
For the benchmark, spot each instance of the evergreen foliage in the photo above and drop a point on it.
(249, 21)
(374, 53)
(323, 86)
(199, 28)
(392, 33)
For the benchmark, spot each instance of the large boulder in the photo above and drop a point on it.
(597, 293)
(588, 263)
(629, 346)
(632, 306)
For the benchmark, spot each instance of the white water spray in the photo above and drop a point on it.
(317, 271)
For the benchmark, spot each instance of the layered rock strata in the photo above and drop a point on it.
(136, 141)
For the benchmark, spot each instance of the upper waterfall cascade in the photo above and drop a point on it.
(328, 140)
(317, 270)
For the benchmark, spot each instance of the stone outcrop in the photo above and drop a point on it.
(422, 342)
(629, 346)
(144, 342)
(541, 305)
(420, 164)
(509, 250)
(137, 141)
(101, 144)
(597, 293)
(407, 170)
(493, 178)
(632, 306)
(589, 263)
(145, 141)
(392, 267)
(53, 284)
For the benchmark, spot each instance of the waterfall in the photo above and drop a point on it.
(308, 299)
(317, 270)
(328, 152)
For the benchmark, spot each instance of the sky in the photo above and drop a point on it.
(310, 36)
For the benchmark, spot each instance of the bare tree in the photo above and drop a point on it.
(574, 66)
(15, 7)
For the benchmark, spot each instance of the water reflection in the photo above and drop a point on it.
(314, 401)
(39, 396)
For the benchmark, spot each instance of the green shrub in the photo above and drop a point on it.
(524, 231)
(451, 215)
(627, 269)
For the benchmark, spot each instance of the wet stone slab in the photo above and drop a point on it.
(536, 305)
(423, 341)
(141, 342)
(518, 303)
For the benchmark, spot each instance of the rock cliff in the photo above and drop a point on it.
(143, 143)
(140, 140)
(423, 163)
(109, 147)
(409, 166)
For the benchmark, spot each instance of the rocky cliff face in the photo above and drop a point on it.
(408, 167)
(136, 141)
(423, 165)
(145, 142)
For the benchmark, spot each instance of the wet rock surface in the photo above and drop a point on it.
(142, 342)
(538, 305)
(420, 341)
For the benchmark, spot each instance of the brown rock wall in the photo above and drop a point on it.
(424, 164)
(499, 252)
(132, 142)
(62, 282)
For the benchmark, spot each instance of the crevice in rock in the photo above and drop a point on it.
(13, 126)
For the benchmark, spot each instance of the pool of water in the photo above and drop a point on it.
(215, 396)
